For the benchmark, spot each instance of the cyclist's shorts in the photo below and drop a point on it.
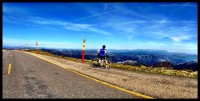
(102, 57)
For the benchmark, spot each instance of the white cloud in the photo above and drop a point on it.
(40, 20)
(180, 38)
(99, 14)
(134, 25)
(17, 42)
(134, 21)
(179, 5)
(69, 25)
(52, 44)
(190, 48)
(136, 12)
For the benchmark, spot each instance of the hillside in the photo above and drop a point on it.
(142, 57)
(140, 68)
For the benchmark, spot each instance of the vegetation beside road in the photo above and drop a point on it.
(161, 70)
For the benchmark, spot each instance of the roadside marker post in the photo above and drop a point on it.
(26, 46)
(36, 47)
(9, 69)
(83, 50)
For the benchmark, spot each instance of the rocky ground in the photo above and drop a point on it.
(155, 85)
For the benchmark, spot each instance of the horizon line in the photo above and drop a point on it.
(107, 49)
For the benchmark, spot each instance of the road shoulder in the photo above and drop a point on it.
(158, 86)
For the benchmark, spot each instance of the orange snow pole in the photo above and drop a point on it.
(83, 50)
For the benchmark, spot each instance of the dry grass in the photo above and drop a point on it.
(162, 70)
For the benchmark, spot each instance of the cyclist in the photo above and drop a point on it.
(102, 55)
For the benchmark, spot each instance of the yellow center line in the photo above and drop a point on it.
(9, 69)
(105, 83)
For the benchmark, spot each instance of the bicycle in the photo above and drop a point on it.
(102, 64)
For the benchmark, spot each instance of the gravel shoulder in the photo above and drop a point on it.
(155, 85)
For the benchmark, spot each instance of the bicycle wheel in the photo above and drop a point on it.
(108, 64)
(92, 64)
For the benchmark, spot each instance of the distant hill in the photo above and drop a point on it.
(143, 57)
(18, 47)
(192, 65)
(149, 57)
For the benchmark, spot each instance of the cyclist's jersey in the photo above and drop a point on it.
(102, 52)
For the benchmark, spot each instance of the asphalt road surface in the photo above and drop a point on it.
(31, 77)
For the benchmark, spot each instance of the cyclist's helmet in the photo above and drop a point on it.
(104, 46)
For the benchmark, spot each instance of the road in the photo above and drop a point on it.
(31, 77)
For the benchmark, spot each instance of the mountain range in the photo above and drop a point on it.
(154, 58)
(147, 57)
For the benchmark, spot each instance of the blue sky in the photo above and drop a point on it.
(161, 26)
